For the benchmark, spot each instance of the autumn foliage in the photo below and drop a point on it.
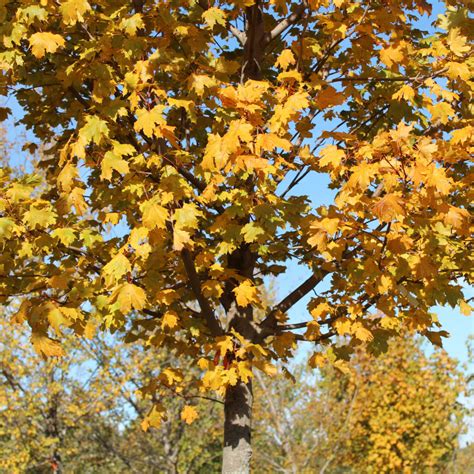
(178, 135)
(398, 413)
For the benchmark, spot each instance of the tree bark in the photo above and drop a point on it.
(237, 429)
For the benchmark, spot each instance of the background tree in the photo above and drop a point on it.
(405, 411)
(400, 412)
(178, 133)
(396, 413)
(82, 413)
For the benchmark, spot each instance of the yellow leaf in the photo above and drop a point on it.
(215, 155)
(73, 11)
(187, 216)
(322, 309)
(6, 227)
(116, 268)
(214, 16)
(129, 297)
(318, 360)
(94, 130)
(42, 43)
(66, 177)
(39, 217)
(389, 207)
(46, 346)
(457, 217)
(457, 43)
(180, 239)
(112, 162)
(441, 111)
(391, 55)
(169, 320)
(460, 70)
(154, 417)
(331, 156)
(251, 232)
(76, 199)
(55, 317)
(289, 110)
(437, 179)
(290, 76)
(268, 368)
(385, 284)
(361, 175)
(343, 326)
(246, 294)
(225, 344)
(286, 59)
(406, 92)
(189, 414)
(465, 308)
(65, 235)
(132, 24)
(270, 141)
(319, 240)
(199, 83)
(148, 120)
(153, 215)
(330, 225)
(462, 135)
(244, 371)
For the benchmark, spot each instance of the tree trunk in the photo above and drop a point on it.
(237, 430)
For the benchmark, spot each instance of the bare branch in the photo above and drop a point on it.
(269, 324)
(240, 35)
(284, 305)
(416, 79)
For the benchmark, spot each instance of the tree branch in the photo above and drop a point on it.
(268, 325)
(286, 23)
(240, 35)
(284, 305)
(206, 309)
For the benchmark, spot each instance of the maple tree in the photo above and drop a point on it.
(178, 133)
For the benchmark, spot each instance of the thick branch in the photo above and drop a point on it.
(417, 79)
(240, 35)
(302, 338)
(286, 23)
(269, 324)
(206, 309)
(284, 305)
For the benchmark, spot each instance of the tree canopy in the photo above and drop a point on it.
(177, 134)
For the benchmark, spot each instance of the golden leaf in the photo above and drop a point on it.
(42, 43)
(189, 414)
(246, 294)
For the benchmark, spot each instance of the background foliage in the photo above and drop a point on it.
(398, 413)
